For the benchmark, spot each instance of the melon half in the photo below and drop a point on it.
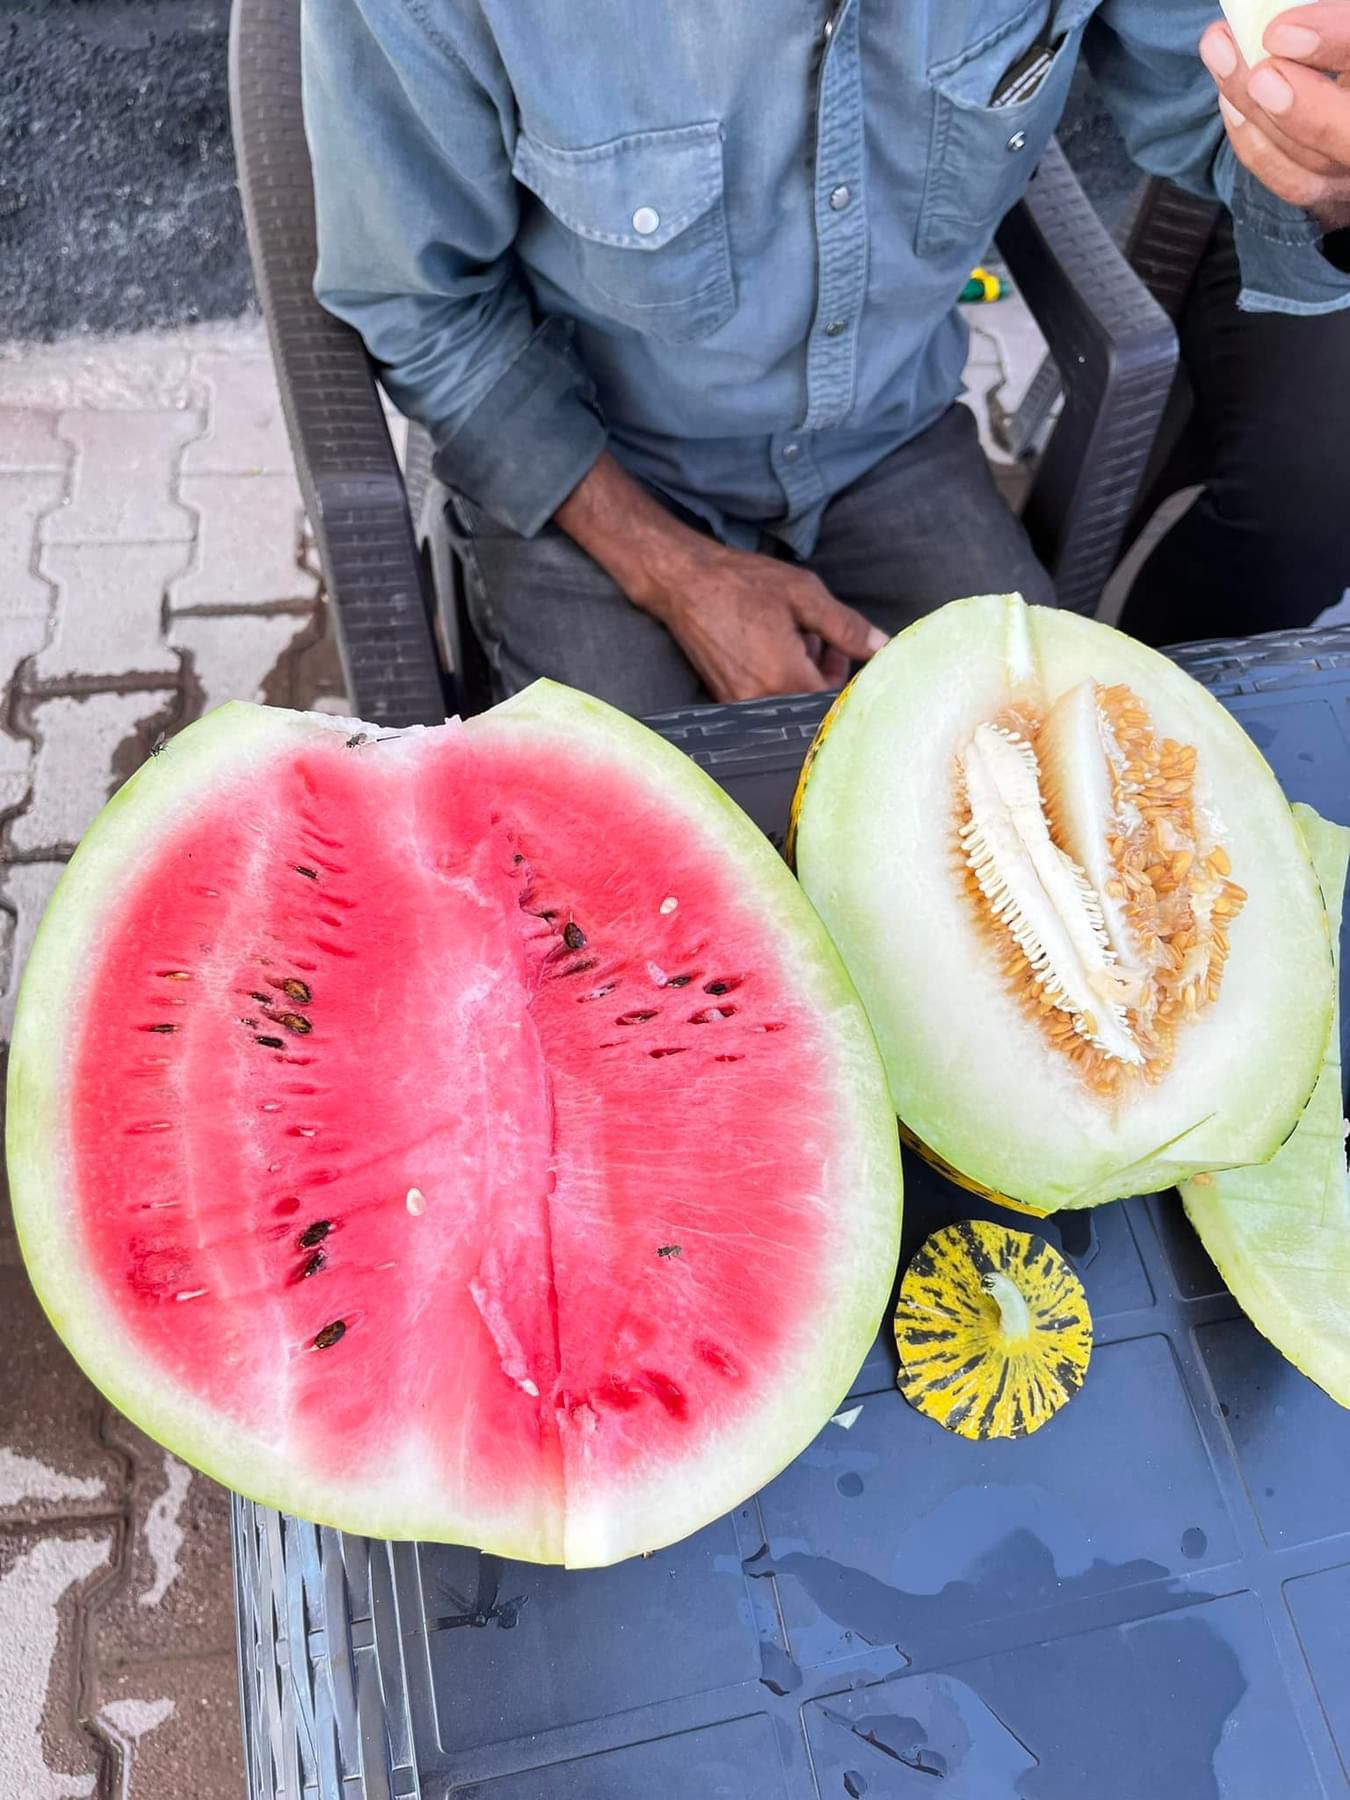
(468, 1134)
(1075, 901)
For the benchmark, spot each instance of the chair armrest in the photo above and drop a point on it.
(1116, 353)
(348, 472)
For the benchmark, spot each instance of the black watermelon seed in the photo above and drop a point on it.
(313, 1264)
(269, 1043)
(315, 1233)
(164, 1028)
(679, 981)
(309, 874)
(356, 740)
(331, 1334)
(669, 1250)
(716, 987)
(634, 1018)
(262, 999)
(573, 936)
(583, 967)
(298, 990)
(517, 858)
(298, 1023)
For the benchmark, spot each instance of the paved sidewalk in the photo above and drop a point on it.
(152, 564)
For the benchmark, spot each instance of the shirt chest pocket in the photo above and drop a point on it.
(981, 156)
(643, 227)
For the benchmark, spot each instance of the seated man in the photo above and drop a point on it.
(672, 286)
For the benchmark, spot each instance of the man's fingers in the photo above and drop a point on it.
(1297, 108)
(834, 666)
(800, 675)
(1316, 35)
(1272, 166)
(1308, 112)
(817, 610)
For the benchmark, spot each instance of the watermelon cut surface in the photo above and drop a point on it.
(467, 1134)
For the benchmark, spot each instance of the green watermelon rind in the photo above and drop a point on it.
(1252, 1220)
(605, 1525)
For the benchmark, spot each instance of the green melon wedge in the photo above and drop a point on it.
(1280, 1234)
(970, 1075)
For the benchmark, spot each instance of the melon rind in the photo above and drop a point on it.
(969, 1074)
(1280, 1235)
(606, 1521)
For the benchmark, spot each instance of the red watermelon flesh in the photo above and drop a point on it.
(467, 1134)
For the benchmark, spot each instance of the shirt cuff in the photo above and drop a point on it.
(531, 438)
(1288, 263)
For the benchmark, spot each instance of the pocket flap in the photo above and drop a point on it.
(637, 192)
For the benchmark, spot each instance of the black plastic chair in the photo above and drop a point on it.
(408, 654)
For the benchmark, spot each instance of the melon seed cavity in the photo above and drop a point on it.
(1097, 878)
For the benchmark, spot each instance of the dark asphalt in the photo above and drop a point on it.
(118, 209)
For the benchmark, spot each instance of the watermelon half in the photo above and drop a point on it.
(467, 1134)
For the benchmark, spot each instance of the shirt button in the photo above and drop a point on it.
(1018, 141)
(645, 220)
(829, 29)
(839, 199)
(836, 328)
(790, 452)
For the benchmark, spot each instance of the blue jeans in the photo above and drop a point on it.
(926, 525)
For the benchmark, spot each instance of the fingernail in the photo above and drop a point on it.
(1270, 90)
(1230, 112)
(1218, 54)
(1298, 41)
(876, 640)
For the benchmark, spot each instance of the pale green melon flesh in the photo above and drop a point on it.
(1280, 1234)
(1249, 20)
(969, 1075)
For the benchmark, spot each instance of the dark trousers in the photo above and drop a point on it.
(1267, 543)
(926, 525)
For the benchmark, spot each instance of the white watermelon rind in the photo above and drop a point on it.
(602, 1523)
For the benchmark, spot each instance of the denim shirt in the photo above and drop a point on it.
(722, 238)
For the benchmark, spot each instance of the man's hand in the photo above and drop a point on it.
(750, 625)
(1286, 121)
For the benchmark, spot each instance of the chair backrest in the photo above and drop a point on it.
(348, 471)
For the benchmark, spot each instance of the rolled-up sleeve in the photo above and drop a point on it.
(416, 213)
(1146, 59)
